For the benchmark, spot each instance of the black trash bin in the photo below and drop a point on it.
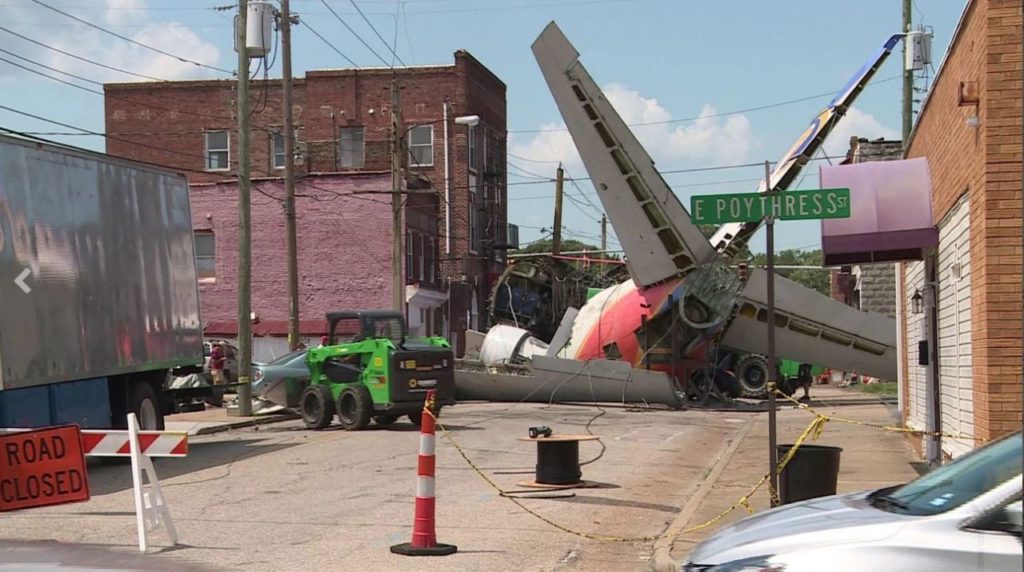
(812, 472)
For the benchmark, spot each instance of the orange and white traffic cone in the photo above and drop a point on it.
(424, 540)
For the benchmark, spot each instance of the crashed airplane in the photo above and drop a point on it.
(645, 338)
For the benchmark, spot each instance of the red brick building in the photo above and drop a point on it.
(342, 122)
(969, 128)
(344, 245)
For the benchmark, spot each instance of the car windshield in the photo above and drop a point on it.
(957, 483)
(287, 357)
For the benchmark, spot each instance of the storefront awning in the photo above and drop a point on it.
(890, 213)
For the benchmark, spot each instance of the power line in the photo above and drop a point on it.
(129, 40)
(709, 116)
(329, 44)
(358, 37)
(374, 28)
(77, 57)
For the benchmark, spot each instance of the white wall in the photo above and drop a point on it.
(916, 377)
(954, 308)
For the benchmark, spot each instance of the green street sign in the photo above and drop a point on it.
(787, 205)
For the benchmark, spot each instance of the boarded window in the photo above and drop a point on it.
(351, 148)
(206, 248)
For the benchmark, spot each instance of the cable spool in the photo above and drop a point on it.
(558, 461)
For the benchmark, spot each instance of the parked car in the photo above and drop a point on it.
(282, 380)
(965, 515)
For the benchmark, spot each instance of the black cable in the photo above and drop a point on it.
(329, 44)
(80, 58)
(381, 38)
(343, 23)
(129, 40)
(108, 95)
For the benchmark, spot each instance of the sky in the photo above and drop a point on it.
(704, 65)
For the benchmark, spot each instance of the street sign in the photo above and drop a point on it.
(42, 468)
(790, 205)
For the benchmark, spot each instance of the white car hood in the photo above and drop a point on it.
(809, 524)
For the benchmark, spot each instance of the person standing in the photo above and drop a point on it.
(217, 364)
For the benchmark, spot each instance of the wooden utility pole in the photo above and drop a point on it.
(244, 218)
(604, 235)
(908, 79)
(397, 279)
(289, 177)
(556, 231)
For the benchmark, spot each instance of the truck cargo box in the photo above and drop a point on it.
(112, 283)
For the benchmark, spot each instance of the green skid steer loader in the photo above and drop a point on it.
(370, 370)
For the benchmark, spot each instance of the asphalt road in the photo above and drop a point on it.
(279, 497)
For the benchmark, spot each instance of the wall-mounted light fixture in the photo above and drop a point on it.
(917, 302)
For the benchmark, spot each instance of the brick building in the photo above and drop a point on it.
(969, 128)
(344, 244)
(342, 120)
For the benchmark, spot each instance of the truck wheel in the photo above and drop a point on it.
(144, 403)
(316, 406)
(355, 407)
(752, 374)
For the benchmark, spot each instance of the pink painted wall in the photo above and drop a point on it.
(344, 244)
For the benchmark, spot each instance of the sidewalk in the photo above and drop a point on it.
(871, 459)
(216, 420)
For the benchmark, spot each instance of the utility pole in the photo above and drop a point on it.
(397, 279)
(773, 454)
(289, 177)
(604, 234)
(908, 79)
(244, 217)
(556, 231)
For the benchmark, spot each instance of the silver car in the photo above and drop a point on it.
(965, 515)
(282, 380)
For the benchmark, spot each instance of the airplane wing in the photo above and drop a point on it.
(731, 237)
(654, 228)
(812, 328)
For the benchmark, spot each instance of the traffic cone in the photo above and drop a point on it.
(424, 540)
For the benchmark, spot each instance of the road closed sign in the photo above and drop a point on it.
(42, 468)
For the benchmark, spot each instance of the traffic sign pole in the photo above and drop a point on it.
(773, 455)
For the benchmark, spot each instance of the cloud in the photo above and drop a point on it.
(707, 140)
(130, 18)
(855, 123)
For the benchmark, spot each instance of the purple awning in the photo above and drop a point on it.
(890, 213)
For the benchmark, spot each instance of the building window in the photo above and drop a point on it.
(351, 148)
(218, 154)
(471, 138)
(206, 249)
(408, 255)
(474, 231)
(277, 150)
(421, 146)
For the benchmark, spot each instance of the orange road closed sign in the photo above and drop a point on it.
(41, 468)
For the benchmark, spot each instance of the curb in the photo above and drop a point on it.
(243, 423)
(663, 561)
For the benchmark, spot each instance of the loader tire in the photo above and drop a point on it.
(752, 375)
(316, 406)
(355, 407)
